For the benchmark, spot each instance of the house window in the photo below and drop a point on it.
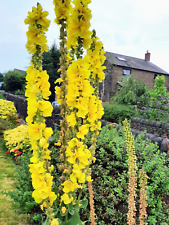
(126, 72)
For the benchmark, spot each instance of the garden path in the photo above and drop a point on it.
(8, 214)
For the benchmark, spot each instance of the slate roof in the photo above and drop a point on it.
(132, 62)
(20, 71)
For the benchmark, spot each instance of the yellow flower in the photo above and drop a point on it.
(58, 143)
(83, 130)
(35, 130)
(68, 186)
(63, 210)
(52, 197)
(81, 177)
(45, 107)
(61, 9)
(43, 205)
(47, 132)
(73, 178)
(71, 119)
(54, 222)
(89, 179)
(39, 195)
(43, 143)
(66, 199)
(73, 142)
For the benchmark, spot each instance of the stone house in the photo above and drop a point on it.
(120, 66)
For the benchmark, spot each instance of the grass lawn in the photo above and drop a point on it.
(8, 214)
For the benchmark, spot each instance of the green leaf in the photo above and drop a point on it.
(71, 209)
(83, 203)
(74, 220)
(45, 222)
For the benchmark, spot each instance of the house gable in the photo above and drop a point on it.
(118, 65)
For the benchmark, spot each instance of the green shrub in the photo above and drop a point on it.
(1, 96)
(6, 125)
(22, 195)
(157, 107)
(131, 92)
(13, 81)
(110, 179)
(118, 112)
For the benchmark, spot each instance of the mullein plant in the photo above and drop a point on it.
(143, 197)
(132, 172)
(81, 108)
(80, 105)
(37, 93)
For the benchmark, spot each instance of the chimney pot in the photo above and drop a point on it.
(147, 56)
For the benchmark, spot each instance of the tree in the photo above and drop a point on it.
(51, 63)
(13, 81)
(1, 77)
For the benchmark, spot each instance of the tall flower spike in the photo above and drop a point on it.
(81, 97)
(132, 171)
(143, 197)
(62, 9)
(37, 92)
(79, 24)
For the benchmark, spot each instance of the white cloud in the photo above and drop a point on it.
(128, 27)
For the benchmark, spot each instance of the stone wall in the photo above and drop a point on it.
(154, 131)
(21, 107)
(150, 126)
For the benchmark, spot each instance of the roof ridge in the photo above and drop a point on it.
(138, 63)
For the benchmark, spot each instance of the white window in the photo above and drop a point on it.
(126, 72)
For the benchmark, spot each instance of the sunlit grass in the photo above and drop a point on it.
(8, 214)
(1, 96)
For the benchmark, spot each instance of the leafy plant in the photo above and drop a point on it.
(157, 107)
(22, 194)
(13, 81)
(118, 112)
(131, 92)
(110, 178)
(1, 96)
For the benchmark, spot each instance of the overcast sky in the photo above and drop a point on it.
(128, 27)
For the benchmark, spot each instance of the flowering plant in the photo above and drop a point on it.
(80, 106)
(7, 109)
(17, 139)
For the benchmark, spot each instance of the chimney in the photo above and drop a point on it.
(147, 56)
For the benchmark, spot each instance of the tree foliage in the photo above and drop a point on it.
(50, 63)
(131, 92)
(1, 77)
(13, 81)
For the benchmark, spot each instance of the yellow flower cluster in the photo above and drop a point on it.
(7, 108)
(17, 138)
(85, 108)
(78, 157)
(61, 9)
(37, 92)
(79, 88)
(95, 57)
(38, 25)
(79, 23)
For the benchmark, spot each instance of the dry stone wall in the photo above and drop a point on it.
(20, 103)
